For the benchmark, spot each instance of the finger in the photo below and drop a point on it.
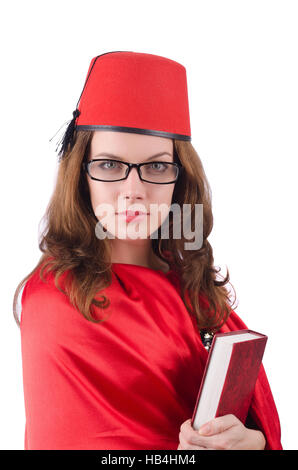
(186, 425)
(201, 441)
(186, 445)
(220, 441)
(218, 425)
(191, 436)
(187, 430)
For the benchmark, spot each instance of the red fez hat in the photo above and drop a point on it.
(132, 92)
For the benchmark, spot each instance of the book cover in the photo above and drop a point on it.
(230, 375)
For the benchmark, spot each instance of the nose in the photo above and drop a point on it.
(133, 177)
(132, 187)
(134, 170)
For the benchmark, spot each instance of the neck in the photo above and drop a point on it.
(137, 252)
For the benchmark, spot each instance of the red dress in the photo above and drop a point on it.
(126, 383)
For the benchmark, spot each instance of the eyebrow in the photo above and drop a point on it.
(105, 154)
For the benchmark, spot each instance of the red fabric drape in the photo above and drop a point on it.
(126, 383)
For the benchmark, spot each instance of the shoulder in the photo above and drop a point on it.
(38, 285)
(41, 300)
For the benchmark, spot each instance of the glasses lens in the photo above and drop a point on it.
(159, 172)
(107, 170)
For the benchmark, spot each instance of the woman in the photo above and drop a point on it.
(112, 315)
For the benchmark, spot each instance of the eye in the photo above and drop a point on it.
(109, 165)
(157, 166)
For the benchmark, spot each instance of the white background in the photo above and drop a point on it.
(241, 62)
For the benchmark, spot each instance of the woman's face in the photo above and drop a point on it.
(108, 199)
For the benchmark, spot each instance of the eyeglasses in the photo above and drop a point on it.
(115, 170)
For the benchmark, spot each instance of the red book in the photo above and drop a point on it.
(230, 376)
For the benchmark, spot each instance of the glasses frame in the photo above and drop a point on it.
(129, 168)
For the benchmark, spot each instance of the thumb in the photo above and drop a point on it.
(218, 425)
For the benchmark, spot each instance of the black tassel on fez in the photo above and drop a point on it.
(67, 139)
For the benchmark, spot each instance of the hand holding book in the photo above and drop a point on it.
(225, 394)
(223, 433)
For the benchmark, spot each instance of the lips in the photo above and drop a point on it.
(132, 213)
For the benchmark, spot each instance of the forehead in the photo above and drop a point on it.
(129, 146)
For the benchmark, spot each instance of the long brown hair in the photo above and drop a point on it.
(69, 243)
